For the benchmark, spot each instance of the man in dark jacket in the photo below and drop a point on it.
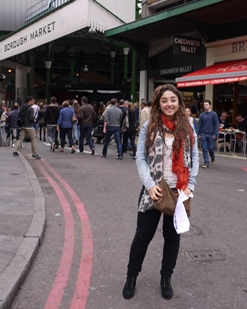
(50, 122)
(12, 121)
(242, 123)
(86, 120)
(27, 127)
(208, 127)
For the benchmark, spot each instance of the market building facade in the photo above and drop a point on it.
(175, 39)
(58, 47)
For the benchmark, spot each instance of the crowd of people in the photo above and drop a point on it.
(74, 122)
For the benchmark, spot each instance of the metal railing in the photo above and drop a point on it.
(42, 8)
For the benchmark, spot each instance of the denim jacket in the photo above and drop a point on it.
(143, 164)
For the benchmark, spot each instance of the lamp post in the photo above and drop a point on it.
(72, 68)
(48, 78)
(113, 54)
(126, 52)
(28, 70)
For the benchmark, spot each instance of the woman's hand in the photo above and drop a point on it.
(155, 193)
(187, 191)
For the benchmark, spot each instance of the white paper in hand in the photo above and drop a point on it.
(180, 218)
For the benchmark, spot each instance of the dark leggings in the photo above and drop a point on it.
(132, 137)
(147, 223)
(63, 132)
(42, 128)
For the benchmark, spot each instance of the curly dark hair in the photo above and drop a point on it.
(182, 128)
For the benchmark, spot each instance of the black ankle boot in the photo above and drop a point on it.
(166, 288)
(129, 288)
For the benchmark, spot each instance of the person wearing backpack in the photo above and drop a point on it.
(26, 123)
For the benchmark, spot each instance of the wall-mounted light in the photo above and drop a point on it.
(9, 70)
(48, 64)
(85, 68)
(113, 54)
(126, 50)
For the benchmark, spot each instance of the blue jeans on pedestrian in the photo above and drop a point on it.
(76, 130)
(86, 130)
(109, 132)
(207, 143)
(63, 133)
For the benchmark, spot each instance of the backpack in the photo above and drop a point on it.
(21, 116)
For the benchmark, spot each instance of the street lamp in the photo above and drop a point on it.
(113, 55)
(28, 71)
(126, 51)
(48, 78)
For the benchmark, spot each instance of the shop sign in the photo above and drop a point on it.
(41, 31)
(176, 70)
(187, 45)
(239, 47)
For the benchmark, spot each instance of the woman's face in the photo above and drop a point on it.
(187, 112)
(169, 104)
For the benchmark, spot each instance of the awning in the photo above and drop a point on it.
(218, 73)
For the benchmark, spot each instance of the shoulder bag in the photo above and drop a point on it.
(125, 124)
(167, 203)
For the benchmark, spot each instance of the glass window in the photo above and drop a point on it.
(223, 98)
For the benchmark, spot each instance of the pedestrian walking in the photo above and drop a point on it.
(167, 148)
(130, 134)
(76, 127)
(207, 130)
(145, 113)
(112, 122)
(65, 125)
(41, 119)
(26, 116)
(86, 119)
(36, 109)
(50, 122)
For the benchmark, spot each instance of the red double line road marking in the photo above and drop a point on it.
(83, 279)
(56, 294)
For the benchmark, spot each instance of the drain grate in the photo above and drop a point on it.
(203, 256)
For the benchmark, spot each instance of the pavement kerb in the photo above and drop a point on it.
(17, 270)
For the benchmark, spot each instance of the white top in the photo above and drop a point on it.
(168, 175)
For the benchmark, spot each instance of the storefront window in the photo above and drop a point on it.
(223, 98)
(242, 98)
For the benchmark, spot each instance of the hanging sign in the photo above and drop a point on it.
(187, 45)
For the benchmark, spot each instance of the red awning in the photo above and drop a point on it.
(218, 73)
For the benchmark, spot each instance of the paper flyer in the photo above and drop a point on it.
(180, 219)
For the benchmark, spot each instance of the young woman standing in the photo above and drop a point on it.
(167, 147)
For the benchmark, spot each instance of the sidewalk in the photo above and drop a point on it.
(22, 222)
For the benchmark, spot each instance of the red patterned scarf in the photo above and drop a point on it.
(178, 166)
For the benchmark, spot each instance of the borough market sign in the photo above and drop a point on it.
(41, 31)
